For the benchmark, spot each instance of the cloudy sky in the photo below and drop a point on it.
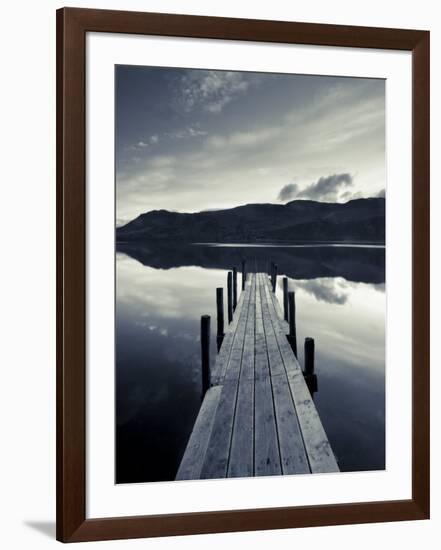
(191, 140)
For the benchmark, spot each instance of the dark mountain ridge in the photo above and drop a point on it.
(360, 220)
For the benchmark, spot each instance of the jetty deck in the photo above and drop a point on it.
(257, 418)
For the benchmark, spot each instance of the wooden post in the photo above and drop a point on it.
(205, 352)
(292, 337)
(308, 373)
(230, 296)
(234, 288)
(274, 277)
(285, 298)
(309, 356)
(220, 316)
(244, 274)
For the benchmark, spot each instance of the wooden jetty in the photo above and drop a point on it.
(257, 416)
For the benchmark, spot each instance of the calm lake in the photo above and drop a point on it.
(161, 295)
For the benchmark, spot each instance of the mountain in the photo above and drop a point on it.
(361, 220)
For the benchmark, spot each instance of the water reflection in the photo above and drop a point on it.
(354, 264)
(160, 297)
(332, 291)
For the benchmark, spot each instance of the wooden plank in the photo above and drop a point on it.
(275, 360)
(293, 455)
(217, 457)
(193, 458)
(247, 367)
(262, 420)
(273, 298)
(320, 455)
(292, 451)
(235, 361)
(218, 450)
(266, 445)
(221, 362)
(280, 327)
(241, 461)
(261, 366)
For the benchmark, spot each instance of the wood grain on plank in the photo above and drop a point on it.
(320, 455)
(241, 461)
(193, 457)
(221, 362)
(266, 445)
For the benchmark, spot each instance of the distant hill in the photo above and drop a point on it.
(361, 220)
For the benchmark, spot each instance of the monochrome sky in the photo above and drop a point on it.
(190, 140)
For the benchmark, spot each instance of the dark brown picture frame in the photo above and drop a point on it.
(72, 26)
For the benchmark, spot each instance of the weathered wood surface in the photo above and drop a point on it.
(191, 463)
(258, 418)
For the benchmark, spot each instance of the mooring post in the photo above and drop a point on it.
(230, 296)
(285, 298)
(309, 356)
(244, 274)
(292, 336)
(220, 316)
(234, 288)
(308, 373)
(275, 278)
(205, 352)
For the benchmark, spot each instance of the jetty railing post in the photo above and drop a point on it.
(309, 356)
(205, 352)
(244, 274)
(230, 296)
(292, 336)
(220, 316)
(234, 288)
(285, 298)
(308, 373)
(274, 277)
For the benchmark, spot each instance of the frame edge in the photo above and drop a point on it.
(72, 525)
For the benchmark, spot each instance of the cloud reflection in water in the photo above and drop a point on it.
(158, 363)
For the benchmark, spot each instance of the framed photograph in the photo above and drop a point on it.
(242, 274)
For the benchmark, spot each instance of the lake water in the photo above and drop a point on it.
(161, 294)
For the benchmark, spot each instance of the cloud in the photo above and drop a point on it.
(143, 144)
(326, 290)
(324, 189)
(162, 161)
(350, 196)
(189, 132)
(194, 132)
(242, 140)
(211, 90)
(288, 192)
(381, 194)
(240, 165)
